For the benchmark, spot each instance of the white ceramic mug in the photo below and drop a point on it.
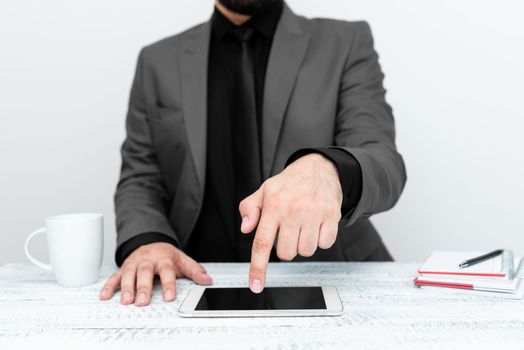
(75, 244)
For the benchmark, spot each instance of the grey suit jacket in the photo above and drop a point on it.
(323, 88)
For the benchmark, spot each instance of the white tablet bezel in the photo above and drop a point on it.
(334, 306)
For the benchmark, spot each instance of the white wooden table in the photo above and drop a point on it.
(383, 310)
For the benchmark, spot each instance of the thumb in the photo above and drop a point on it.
(250, 209)
(194, 271)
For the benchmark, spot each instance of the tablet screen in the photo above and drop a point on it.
(271, 298)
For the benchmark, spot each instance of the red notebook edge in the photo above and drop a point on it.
(442, 284)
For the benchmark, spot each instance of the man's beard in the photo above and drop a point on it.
(247, 7)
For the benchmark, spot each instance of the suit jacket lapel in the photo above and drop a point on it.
(193, 71)
(289, 46)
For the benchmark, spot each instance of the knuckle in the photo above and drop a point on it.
(145, 268)
(268, 183)
(129, 270)
(323, 245)
(143, 289)
(307, 251)
(334, 209)
(176, 257)
(286, 251)
(333, 216)
(168, 283)
(316, 205)
(128, 280)
(328, 208)
(115, 276)
(127, 285)
(260, 245)
(166, 266)
(256, 271)
(286, 255)
(326, 241)
(242, 206)
(333, 232)
(111, 284)
(273, 203)
(321, 207)
(296, 207)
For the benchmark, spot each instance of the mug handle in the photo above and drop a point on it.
(29, 256)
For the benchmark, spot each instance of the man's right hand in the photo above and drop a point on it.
(135, 277)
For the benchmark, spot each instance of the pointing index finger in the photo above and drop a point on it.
(260, 252)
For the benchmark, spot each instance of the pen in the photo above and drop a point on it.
(481, 258)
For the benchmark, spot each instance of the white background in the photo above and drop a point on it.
(454, 72)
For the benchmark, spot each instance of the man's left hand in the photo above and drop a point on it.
(300, 206)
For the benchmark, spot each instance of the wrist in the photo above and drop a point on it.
(318, 161)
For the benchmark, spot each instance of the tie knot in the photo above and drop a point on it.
(242, 34)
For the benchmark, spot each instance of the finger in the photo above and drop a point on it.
(166, 271)
(308, 240)
(193, 270)
(112, 284)
(250, 210)
(328, 234)
(127, 285)
(309, 234)
(144, 282)
(262, 244)
(287, 241)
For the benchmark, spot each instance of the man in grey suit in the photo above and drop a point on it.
(262, 112)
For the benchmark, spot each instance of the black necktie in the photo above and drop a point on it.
(246, 143)
(247, 154)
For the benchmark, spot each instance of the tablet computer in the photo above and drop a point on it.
(272, 302)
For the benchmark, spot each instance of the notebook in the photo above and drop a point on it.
(447, 263)
(501, 274)
(475, 283)
(517, 295)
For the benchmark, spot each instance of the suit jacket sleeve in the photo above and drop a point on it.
(140, 196)
(349, 173)
(365, 129)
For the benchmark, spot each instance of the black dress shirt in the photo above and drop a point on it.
(216, 235)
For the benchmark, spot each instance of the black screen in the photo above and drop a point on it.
(271, 298)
